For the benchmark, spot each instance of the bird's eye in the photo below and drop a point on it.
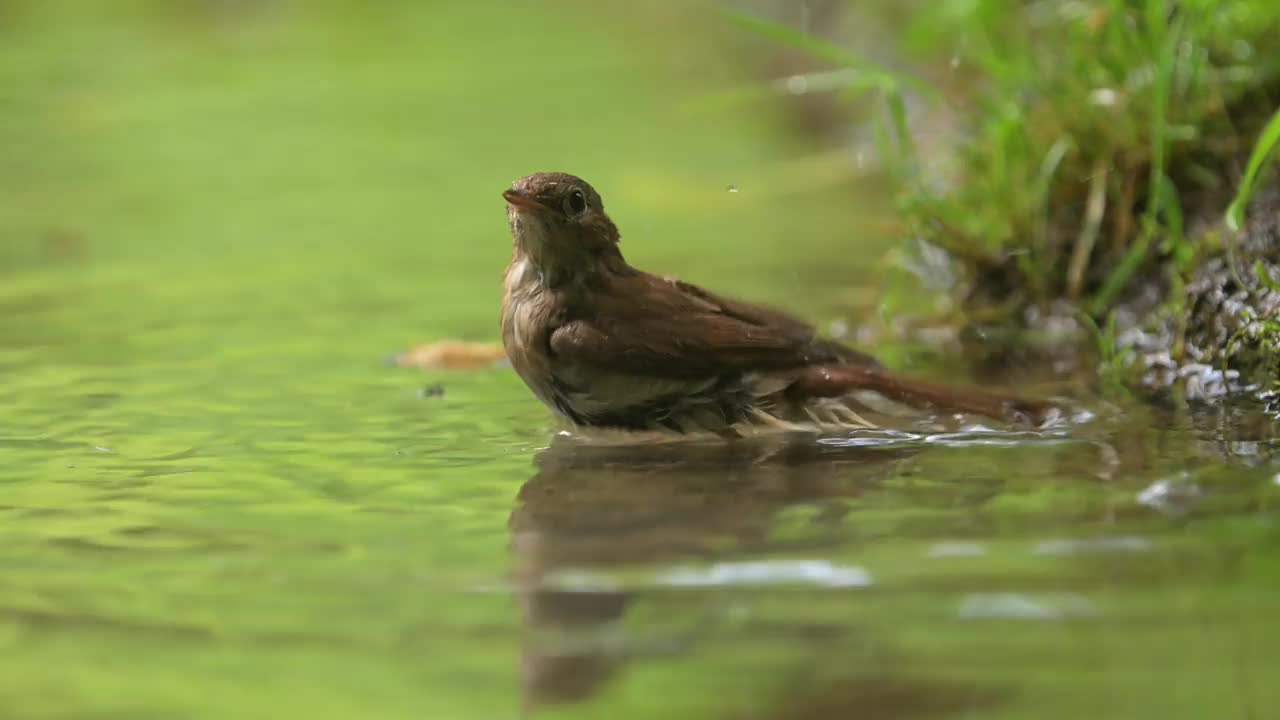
(575, 202)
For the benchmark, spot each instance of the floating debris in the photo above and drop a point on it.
(451, 355)
(431, 391)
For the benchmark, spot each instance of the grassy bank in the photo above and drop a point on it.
(1099, 144)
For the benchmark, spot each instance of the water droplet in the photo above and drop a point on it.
(732, 188)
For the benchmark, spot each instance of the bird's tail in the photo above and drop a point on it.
(833, 381)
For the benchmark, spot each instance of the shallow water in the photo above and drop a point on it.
(217, 500)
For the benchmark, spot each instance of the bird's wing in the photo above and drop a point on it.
(647, 325)
(669, 330)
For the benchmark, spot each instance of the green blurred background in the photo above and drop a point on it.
(216, 499)
(341, 163)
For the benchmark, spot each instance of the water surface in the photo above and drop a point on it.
(217, 500)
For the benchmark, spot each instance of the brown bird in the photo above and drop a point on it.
(608, 346)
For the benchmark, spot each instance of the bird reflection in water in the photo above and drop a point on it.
(594, 515)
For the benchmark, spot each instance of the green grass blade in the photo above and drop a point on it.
(1264, 277)
(1267, 143)
(1164, 48)
(820, 48)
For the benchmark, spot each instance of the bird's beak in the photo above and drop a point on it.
(522, 200)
